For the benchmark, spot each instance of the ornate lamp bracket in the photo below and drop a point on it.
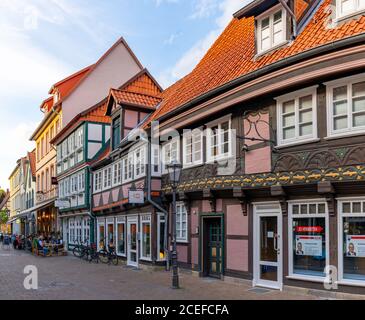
(208, 195)
(241, 196)
(253, 129)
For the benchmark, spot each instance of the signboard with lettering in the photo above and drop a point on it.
(62, 204)
(355, 246)
(308, 246)
(136, 196)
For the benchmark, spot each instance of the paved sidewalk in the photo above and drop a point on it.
(70, 278)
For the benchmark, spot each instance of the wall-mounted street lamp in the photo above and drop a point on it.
(174, 173)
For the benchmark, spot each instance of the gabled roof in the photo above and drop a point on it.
(32, 163)
(94, 66)
(5, 200)
(135, 99)
(233, 56)
(142, 90)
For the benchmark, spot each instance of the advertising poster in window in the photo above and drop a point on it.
(355, 246)
(308, 246)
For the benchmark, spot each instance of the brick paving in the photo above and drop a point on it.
(70, 278)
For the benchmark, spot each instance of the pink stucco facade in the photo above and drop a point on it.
(182, 252)
(237, 255)
(258, 161)
(237, 223)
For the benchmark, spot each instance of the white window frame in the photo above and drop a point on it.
(139, 162)
(193, 134)
(330, 86)
(219, 122)
(107, 178)
(72, 231)
(121, 220)
(125, 175)
(296, 95)
(341, 215)
(325, 215)
(98, 181)
(117, 174)
(160, 217)
(145, 218)
(155, 158)
(167, 147)
(356, 10)
(179, 238)
(270, 14)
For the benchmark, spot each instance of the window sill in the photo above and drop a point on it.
(306, 278)
(278, 46)
(345, 134)
(357, 283)
(299, 142)
(182, 241)
(339, 19)
(145, 259)
(193, 165)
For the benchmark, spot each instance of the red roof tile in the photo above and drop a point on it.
(232, 55)
(138, 99)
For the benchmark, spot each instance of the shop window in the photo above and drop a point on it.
(110, 234)
(308, 239)
(72, 238)
(101, 236)
(181, 222)
(161, 254)
(352, 241)
(146, 237)
(121, 238)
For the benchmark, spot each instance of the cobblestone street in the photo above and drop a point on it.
(70, 278)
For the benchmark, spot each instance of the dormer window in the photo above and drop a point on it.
(271, 29)
(346, 8)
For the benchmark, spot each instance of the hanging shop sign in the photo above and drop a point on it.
(355, 246)
(62, 204)
(136, 196)
(308, 246)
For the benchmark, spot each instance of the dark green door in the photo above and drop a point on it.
(214, 247)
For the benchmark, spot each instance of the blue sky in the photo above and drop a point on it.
(43, 41)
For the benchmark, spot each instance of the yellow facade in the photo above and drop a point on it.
(46, 155)
(14, 199)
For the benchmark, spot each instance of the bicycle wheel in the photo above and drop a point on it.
(77, 252)
(114, 259)
(103, 256)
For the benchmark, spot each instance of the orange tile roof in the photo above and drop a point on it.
(126, 97)
(142, 90)
(232, 55)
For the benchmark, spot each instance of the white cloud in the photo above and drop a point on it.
(190, 59)
(159, 2)
(204, 8)
(172, 38)
(28, 70)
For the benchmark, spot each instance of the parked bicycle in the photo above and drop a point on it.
(81, 249)
(108, 256)
(93, 254)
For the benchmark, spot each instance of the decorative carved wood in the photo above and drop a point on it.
(241, 196)
(208, 195)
